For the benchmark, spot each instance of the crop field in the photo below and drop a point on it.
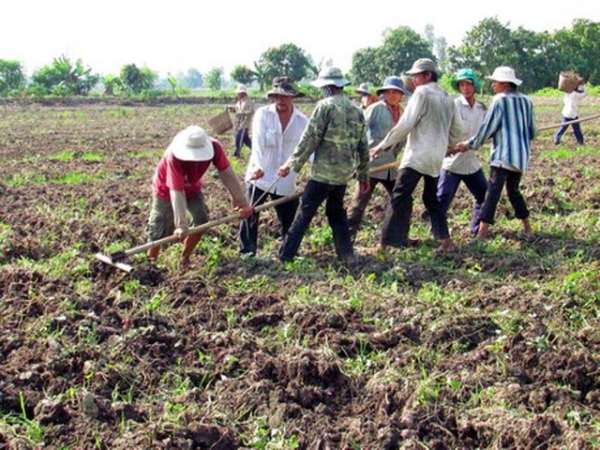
(494, 346)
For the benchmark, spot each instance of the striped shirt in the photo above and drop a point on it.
(510, 122)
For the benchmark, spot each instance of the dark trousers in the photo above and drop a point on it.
(249, 228)
(498, 178)
(576, 130)
(360, 200)
(448, 185)
(396, 224)
(315, 193)
(242, 137)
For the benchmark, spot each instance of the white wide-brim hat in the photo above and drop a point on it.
(241, 89)
(504, 74)
(192, 144)
(330, 76)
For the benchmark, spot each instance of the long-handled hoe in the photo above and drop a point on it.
(117, 259)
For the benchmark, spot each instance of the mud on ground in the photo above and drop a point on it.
(224, 356)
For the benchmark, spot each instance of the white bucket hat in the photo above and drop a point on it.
(330, 76)
(504, 74)
(192, 144)
(241, 89)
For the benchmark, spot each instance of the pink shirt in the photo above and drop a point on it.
(172, 173)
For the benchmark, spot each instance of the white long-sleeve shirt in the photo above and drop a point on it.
(472, 116)
(272, 146)
(571, 102)
(431, 125)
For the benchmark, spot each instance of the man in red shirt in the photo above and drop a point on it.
(177, 187)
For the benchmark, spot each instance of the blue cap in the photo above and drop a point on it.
(394, 83)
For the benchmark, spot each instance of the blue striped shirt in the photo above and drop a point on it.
(510, 122)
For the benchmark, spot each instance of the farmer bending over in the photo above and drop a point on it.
(177, 186)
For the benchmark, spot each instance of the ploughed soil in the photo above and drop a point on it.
(228, 354)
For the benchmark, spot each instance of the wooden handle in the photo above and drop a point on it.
(549, 127)
(208, 225)
(384, 167)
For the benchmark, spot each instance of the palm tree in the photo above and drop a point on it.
(261, 74)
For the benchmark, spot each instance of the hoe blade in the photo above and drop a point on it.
(110, 261)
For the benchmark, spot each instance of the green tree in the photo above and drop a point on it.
(193, 78)
(112, 84)
(577, 49)
(63, 77)
(401, 47)
(243, 74)
(214, 78)
(261, 75)
(531, 63)
(536, 57)
(486, 46)
(173, 82)
(365, 67)
(12, 78)
(287, 59)
(137, 80)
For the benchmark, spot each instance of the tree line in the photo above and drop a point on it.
(538, 58)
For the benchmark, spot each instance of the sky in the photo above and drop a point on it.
(172, 36)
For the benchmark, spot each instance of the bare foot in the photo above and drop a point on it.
(484, 232)
(446, 247)
(379, 249)
(350, 261)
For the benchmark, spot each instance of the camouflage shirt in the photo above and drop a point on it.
(336, 135)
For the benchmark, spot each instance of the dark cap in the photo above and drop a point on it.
(283, 86)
